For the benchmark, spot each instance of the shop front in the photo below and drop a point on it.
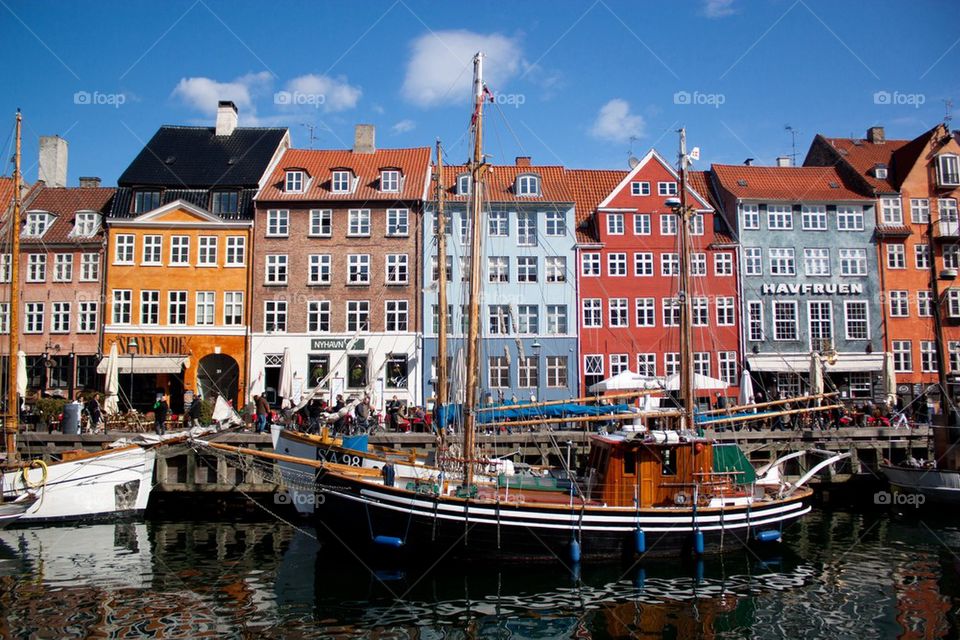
(856, 377)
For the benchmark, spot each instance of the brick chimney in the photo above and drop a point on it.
(364, 138)
(875, 135)
(226, 117)
(53, 161)
(89, 182)
(523, 161)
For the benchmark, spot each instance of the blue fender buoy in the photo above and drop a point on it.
(768, 535)
(698, 542)
(388, 541)
(640, 537)
(699, 570)
(640, 579)
(574, 551)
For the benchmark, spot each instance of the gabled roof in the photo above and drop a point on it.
(414, 164)
(191, 157)
(863, 155)
(655, 156)
(502, 178)
(124, 199)
(590, 187)
(64, 203)
(790, 184)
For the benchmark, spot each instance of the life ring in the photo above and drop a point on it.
(43, 476)
(680, 499)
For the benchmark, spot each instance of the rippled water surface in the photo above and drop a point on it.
(837, 575)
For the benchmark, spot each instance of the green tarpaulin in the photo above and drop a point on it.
(729, 457)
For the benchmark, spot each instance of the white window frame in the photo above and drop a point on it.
(320, 219)
(358, 223)
(293, 181)
(278, 223)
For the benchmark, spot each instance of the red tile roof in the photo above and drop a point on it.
(793, 184)
(6, 192)
(864, 155)
(590, 187)
(414, 165)
(502, 179)
(64, 203)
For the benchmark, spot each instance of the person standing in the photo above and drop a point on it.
(160, 410)
(195, 408)
(263, 410)
(393, 414)
(94, 412)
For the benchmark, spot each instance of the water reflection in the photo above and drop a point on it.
(839, 575)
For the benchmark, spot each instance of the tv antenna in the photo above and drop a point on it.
(793, 143)
(311, 128)
(947, 112)
(632, 160)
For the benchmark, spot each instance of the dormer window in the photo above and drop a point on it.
(144, 201)
(880, 171)
(463, 184)
(293, 182)
(86, 224)
(389, 180)
(340, 182)
(37, 223)
(948, 170)
(224, 202)
(528, 186)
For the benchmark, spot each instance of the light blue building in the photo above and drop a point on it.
(529, 301)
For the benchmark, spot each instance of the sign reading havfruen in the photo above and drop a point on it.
(819, 289)
(337, 344)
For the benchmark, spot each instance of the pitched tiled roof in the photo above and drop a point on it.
(590, 187)
(123, 202)
(319, 164)
(6, 192)
(191, 157)
(64, 203)
(791, 184)
(501, 179)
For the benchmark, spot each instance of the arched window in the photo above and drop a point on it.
(528, 185)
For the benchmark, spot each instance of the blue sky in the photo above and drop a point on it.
(577, 83)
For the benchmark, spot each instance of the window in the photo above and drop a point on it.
(619, 315)
(37, 267)
(701, 363)
(236, 251)
(899, 304)
(855, 320)
(671, 312)
(465, 227)
(617, 264)
(725, 312)
(86, 224)
(788, 384)
(924, 304)
(87, 315)
(669, 264)
(358, 315)
(781, 261)
(813, 217)
(948, 170)
(463, 184)
(357, 367)
(750, 214)
(177, 307)
(647, 364)
(528, 186)
(755, 321)
(816, 262)
(921, 256)
(358, 268)
(206, 307)
(321, 223)
(619, 362)
(63, 267)
(753, 261)
(779, 216)
(318, 366)
(590, 264)
(557, 319)
(556, 268)
(34, 317)
(144, 201)
(89, 267)
(723, 264)
(528, 318)
(397, 268)
(207, 256)
(928, 356)
(860, 385)
(498, 372)
(225, 202)
(527, 229)
(389, 180)
(527, 269)
(953, 349)
(498, 269)
(592, 369)
(60, 321)
(698, 264)
(641, 224)
(953, 303)
(498, 316)
(853, 262)
(919, 210)
(896, 256)
(820, 320)
(528, 372)
(397, 371)
(727, 360)
(891, 212)
(785, 320)
(293, 182)
(498, 224)
(948, 214)
(340, 181)
(951, 256)
(233, 308)
(152, 248)
(436, 318)
(276, 272)
(396, 315)
(123, 249)
(902, 356)
(643, 264)
(639, 188)
(556, 372)
(701, 312)
(666, 188)
(646, 312)
(696, 224)
(359, 222)
(149, 307)
(448, 271)
(122, 301)
(849, 218)
(180, 250)
(318, 316)
(615, 224)
(671, 363)
(275, 316)
(668, 224)
(397, 222)
(592, 312)
(278, 223)
(6, 263)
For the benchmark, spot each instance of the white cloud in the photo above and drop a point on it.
(615, 123)
(203, 93)
(403, 126)
(440, 69)
(718, 8)
(335, 94)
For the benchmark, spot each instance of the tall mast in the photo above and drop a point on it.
(11, 419)
(686, 301)
(473, 336)
(441, 400)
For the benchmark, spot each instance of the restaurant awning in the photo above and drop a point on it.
(147, 364)
(800, 363)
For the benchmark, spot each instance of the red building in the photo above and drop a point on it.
(628, 276)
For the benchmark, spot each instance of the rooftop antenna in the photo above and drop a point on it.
(793, 143)
(311, 128)
(632, 160)
(947, 112)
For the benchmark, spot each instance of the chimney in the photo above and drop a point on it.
(364, 138)
(748, 162)
(523, 161)
(53, 161)
(89, 182)
(875, 135)
(226, 117)
(784, 161)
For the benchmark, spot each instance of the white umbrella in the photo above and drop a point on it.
(889, 379)
(746, 388)
(700, 382)
(21, 375)
(626, 381)
(111, 404)
(816, 374)
(286, 380)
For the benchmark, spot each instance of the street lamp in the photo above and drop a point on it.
(132, 347)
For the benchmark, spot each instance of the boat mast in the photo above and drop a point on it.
(473, 335)
(686, 302)
(441, 233)
(11, 419)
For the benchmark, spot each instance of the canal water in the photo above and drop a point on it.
(837, 575)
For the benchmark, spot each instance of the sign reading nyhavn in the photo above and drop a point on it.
(336, 344)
